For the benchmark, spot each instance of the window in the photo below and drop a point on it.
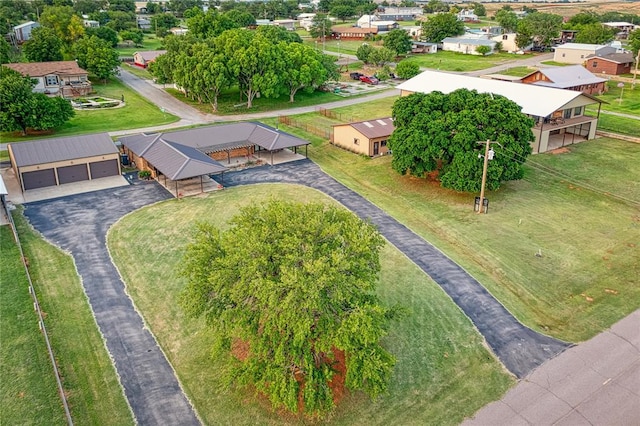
(52, 80)
(594, 64)
(581, 56)
(567, 113)
(563, 55)
(383, 143)
(356, 141)
(577, 111)
(505, 37)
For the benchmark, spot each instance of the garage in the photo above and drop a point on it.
(68, 160)
(39, 179)
(104, 168)
(71, 174)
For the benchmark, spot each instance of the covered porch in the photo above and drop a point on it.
(559, 132)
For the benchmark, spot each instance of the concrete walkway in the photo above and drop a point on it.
(594, 383)
(519, 348)
(78, 224)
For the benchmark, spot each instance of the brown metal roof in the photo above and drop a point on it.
(61, 149)
(377, 128)
(40, 69)
(354, 30)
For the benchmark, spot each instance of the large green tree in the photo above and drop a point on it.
(507, 19)
(96, 56)
(594, 34)
(43, 46)
(438, 27)
(407, 70)
(295, 283)
(398, 40)
(21, 109)
(541, 28)
(303, 68)
(440, 132)
(634, 41)
(321, 27)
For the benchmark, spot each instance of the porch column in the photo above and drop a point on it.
(201, 185)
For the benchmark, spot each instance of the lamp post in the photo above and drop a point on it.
(621, 87)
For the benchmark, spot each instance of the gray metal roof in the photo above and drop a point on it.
(174, 160)
(469, 41)
(569, 76)
(62, 149)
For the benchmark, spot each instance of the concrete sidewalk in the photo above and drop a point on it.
(594, 383)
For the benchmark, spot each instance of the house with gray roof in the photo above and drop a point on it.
(57, 161)
(467, 45)
(573, 77)
(367, 137)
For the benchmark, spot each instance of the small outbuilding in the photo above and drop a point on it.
(610, 64)
(364, 137)
(468, 46)
(144, 58)
(51, 162)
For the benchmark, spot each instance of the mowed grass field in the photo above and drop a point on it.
(27, 384)
(454, 61)
(443, 373)
(137, 113)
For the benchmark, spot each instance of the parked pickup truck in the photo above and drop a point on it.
(369, 80)
(355, 75)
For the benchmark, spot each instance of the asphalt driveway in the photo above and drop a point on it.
(78, 224)
(519, 348)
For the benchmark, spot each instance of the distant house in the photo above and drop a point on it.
(144, 23)
(353, 33)
(577, 53)
(567, 36)
(143, 59)
(391, 13)
(364, 137)
(88, 23)
(414, 31)
(573, 77)
(287, 24)
(508, 42)
(466, 15)
(623, 28)
(467, 45)
(58, 78)
(423, 47)
(559, 114)
(178, 31)
(23, 31)
(303, 16)
(610, 64)
(372, 21)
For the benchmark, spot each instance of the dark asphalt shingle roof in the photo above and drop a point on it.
(39, 69)
(617, 58)
(61, 149)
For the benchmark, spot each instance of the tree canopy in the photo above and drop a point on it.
(438, 27)
(21, 109)
(97, 56)
(43, 46)
(541, 28)
(507, 19)
(438, 132)
(295, 283)
(398, 40)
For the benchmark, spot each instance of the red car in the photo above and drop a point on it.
(369, 80)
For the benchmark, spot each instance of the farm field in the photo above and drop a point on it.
(443, 373)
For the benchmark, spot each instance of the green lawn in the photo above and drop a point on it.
(454, 61)
(27, 384)
(518, 71)
(444, 371)
(555, 64)
(140, 72)
(137, 113)
(629, 103)
(150, 42)
(348, 47)
(587, 277)
(89, 378)
(229, 103)
(615, 124)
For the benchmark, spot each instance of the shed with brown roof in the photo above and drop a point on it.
(364, 137)
(51, 162)
(144, 58)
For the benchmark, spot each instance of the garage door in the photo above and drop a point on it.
(38, 179)
(104, 168)
(74, 173)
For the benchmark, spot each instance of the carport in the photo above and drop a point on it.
(58, 161)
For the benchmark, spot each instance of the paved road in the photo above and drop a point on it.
(594, 383)
(79, 224)
(519, 348)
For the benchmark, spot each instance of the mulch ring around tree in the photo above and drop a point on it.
(240, 350)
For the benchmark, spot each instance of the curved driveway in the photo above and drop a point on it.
(79, 224)
(519, 348)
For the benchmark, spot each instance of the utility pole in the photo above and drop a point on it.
(635, 74)
(488, 155)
